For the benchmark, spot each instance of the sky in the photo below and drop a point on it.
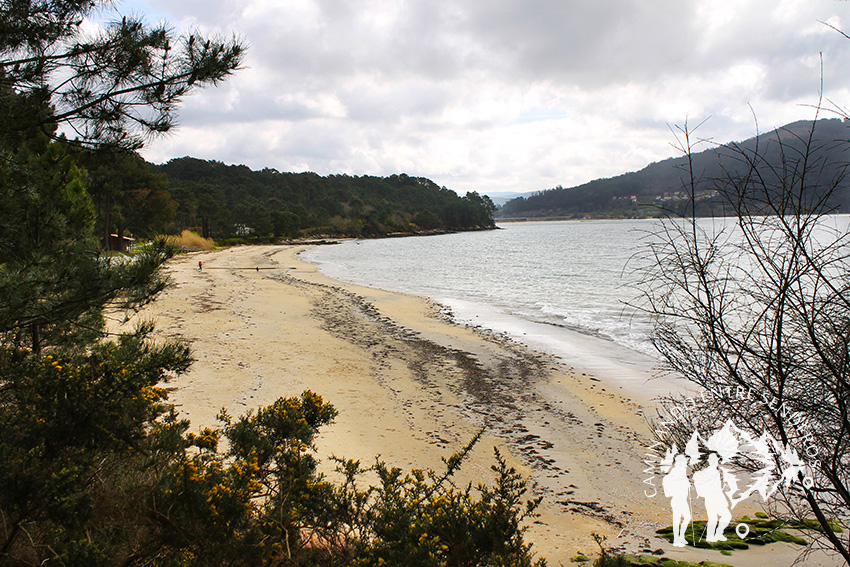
(500, 96)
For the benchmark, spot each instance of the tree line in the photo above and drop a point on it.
(227, 201)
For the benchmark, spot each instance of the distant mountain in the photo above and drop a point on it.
(662, 185)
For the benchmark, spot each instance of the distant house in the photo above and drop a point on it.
(244, 230)
(116, 242)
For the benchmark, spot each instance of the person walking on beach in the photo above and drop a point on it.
(677, 488)
(200, 266)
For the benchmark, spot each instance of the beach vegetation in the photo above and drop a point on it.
(190, 241)
(422, 518)
(98, 469)
(753, 309)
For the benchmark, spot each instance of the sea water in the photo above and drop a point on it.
(563, 287)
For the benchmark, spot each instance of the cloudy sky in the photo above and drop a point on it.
(499, 95)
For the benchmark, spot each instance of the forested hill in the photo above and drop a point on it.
(225, 201)
(660, 186)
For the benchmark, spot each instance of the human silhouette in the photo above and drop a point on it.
(709, 485)
(677, 487)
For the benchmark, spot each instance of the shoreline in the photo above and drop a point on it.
(412, 387)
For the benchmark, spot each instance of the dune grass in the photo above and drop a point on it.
(188, 240)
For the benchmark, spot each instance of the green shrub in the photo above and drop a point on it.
(97, 469)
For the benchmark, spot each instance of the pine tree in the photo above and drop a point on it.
(115, 87)
(75, 404)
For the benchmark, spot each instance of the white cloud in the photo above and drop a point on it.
(499, 95)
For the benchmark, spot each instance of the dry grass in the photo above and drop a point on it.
(189, 240)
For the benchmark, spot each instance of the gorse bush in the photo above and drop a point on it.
(421, 518)
(97, 469)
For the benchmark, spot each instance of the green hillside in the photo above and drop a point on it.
(225, 201)
(661, 186)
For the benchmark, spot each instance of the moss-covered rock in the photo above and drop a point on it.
(651, 561)
(761, 531)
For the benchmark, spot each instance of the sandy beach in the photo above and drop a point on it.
(412, 386)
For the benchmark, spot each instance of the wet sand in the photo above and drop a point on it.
(412, 386)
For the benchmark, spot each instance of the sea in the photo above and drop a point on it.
(560, 287)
